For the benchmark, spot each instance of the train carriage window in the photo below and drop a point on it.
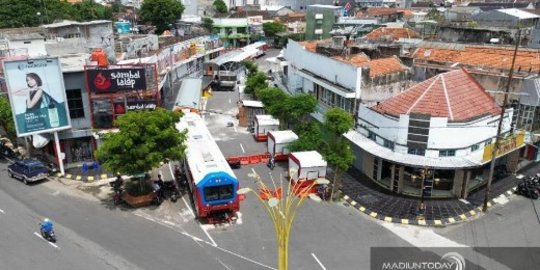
(218, 193)
(211, 193)
(226, 192)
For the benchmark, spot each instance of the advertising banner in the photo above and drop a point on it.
(105, 81)
(37, 95)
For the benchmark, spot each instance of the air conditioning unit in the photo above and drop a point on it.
(318, 16)
(318, 31)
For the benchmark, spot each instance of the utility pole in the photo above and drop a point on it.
(499, 126)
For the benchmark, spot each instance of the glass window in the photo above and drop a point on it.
(488, 142)
(75, 103)
(219, 193)
(103, 116)
(372, 136)
(389, 144)
(416, 151)
(475, 147)
(447, 153)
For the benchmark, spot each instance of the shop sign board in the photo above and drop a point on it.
(103, 81)
(506, 146)
(37, 95)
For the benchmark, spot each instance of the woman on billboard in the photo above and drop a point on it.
(37, 98)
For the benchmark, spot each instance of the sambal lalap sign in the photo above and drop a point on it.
(114, 80)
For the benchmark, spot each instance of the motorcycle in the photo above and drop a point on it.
(170, 190)
(49, 236)
(529, 189)
(117, 197)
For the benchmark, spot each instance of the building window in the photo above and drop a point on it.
(416, 151)
(447, 153)
(75, 103)
(389, 144)
(475, 147)
(372, 136)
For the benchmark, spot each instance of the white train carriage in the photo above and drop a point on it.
(212, 182)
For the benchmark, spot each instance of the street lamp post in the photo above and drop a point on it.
(282, 211)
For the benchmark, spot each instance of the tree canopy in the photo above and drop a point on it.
(337, 152)
(255, 81)
(208, 24)
(220, 6)
(144, 140)
(6, 118)
(309, 137)
(272, 28)
(161, 13)
(24, 13)
(251, 67)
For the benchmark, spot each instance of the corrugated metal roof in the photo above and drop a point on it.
(309, 159)
(520, 14)
(190, 93)
(377, 150)
(282, 136)
(252, 103)
(266, 120)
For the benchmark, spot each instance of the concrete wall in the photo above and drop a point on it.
(67, 46)
(73, 81)
(35, 47)
(140, 45)
(442, 135)
(332, 70)
(329, 18)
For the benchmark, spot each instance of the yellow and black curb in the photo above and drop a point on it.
(85, 178)
(425, 222)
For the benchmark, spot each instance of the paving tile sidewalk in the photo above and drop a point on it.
(368, 197)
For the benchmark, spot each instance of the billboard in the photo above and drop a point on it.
(103, 81)
(37, 95)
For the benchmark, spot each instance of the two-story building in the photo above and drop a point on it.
(436, 137)
(338, 79)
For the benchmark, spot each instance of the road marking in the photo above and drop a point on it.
(222, 263)
(241, 146)
(207, 234)
(2, 211)
(52, 244)
(317, 259)
(420, 236)
(464, 201)
(244, 258)
(229, 101)
(55, 193)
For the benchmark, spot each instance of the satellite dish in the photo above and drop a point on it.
(39, 141)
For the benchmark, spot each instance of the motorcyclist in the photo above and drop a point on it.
(46, 226)
(177, 172)
(117, 184)
(160, 185)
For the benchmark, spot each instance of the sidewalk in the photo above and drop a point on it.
(88, 176)
(377, 202)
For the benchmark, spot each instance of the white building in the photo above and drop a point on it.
(445, 125)
(341, 81)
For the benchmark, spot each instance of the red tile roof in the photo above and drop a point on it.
(491, 57)
(390, 34)
(454, 94)
(377, 67)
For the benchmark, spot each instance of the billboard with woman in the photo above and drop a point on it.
(37, 95)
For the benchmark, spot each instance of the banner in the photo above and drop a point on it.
(506, 146)
(37, 95)
(114, 80)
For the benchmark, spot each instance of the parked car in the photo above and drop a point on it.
(28, 170)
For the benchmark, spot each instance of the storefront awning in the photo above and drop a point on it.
(377, 150)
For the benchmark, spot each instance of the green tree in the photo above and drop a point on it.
(337, 151)
(250, 66)
(208, 24)
(271, 96)
(301, 105)
(87, 10)
(144, 140)
(6, 117)
(220, 6)
(257, 81)
(309, 137)
(272, 28)
(434, 14)
(161, 13)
